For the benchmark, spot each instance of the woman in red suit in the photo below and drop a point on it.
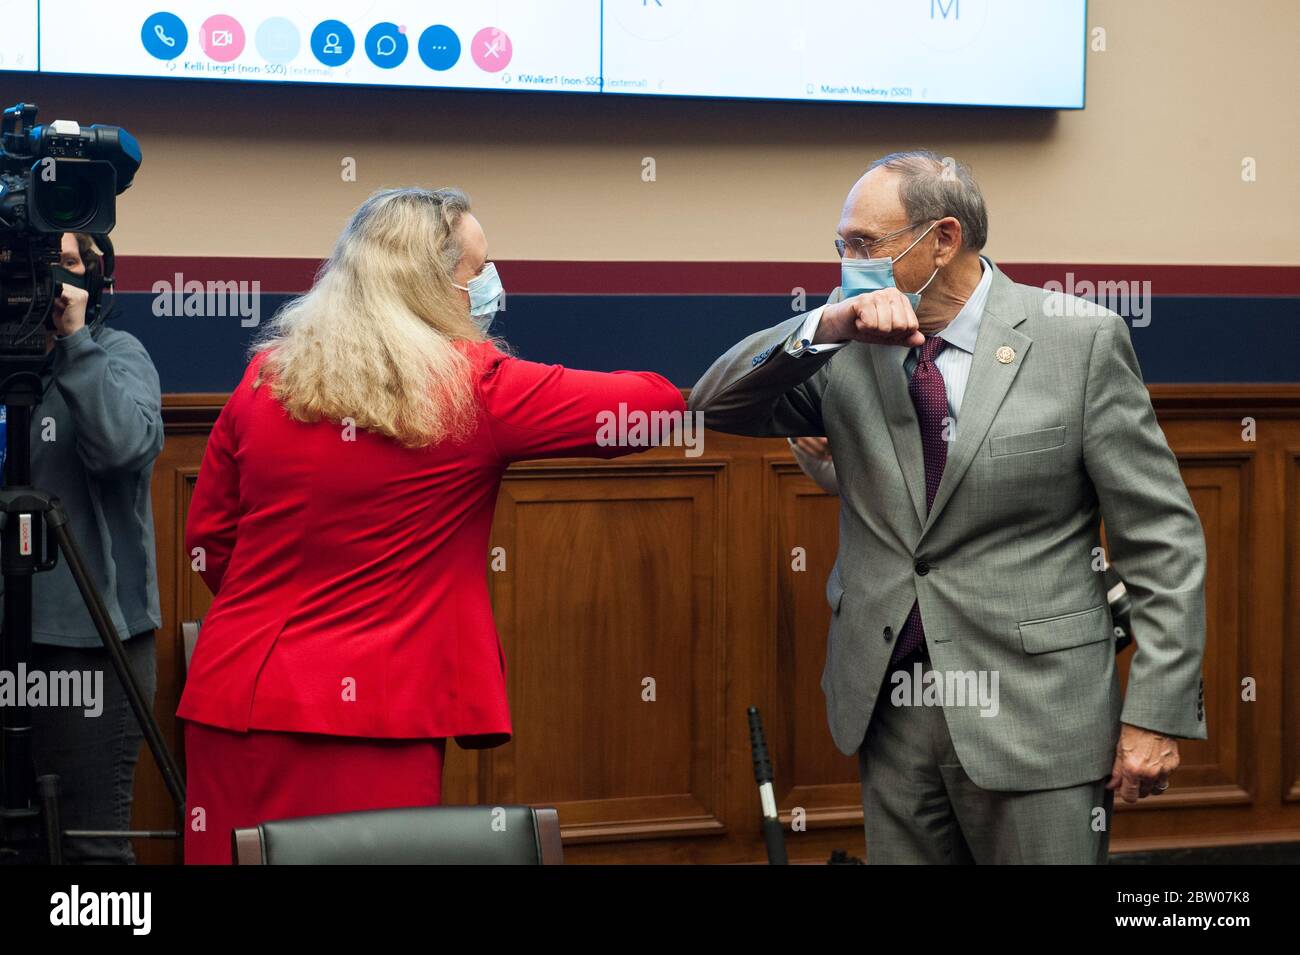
(341, 519)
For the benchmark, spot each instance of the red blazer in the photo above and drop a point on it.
(351, 575)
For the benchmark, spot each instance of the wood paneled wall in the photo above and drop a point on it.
(647, 602)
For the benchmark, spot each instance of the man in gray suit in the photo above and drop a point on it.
(982, 430)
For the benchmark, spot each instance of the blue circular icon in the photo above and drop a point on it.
(439, 47)
(386, 45)
(164, 36)
(277, 40)
(332, 42)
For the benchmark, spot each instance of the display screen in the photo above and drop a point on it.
(964, 52)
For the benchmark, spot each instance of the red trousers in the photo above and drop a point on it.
(238, 780)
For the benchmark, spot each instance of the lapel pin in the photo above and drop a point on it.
(1006, 354)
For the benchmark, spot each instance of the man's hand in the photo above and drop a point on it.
(883, 317)
(70, 310)
(1143, 762)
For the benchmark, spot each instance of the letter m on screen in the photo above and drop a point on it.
(952, 6)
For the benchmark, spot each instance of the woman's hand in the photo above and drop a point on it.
(70, 310)
(817, 448)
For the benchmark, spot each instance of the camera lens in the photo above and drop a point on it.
(68, 202)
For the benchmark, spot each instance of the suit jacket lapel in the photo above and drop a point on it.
(987, 385)
(900, 414)
(900, 417)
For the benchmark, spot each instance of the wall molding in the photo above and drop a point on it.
(729, 626)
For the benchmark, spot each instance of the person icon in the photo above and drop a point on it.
(332, 43)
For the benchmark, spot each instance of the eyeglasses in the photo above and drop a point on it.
(858, 247)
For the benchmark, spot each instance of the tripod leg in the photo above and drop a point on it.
(57, 521)
(47, 787)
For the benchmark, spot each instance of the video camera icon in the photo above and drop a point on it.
(222, 38)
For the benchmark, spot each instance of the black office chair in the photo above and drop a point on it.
(422, 835)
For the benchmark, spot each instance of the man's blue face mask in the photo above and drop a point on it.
(486, 295)
(871, 275)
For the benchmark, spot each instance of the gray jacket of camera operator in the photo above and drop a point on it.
(95, 436)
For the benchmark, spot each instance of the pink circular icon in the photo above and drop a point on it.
(222, 38)
(491, 49)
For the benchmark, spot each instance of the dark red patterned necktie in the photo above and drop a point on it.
(931, 400)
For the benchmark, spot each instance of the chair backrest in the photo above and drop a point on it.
(1121, 607)
(422, 835)
(190, 636)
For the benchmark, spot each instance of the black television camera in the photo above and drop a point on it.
(54, 178)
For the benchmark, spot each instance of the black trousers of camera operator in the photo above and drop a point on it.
(94, 756)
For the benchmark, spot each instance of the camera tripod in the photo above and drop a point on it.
(30, 819)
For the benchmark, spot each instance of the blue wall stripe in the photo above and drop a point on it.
(1189, 339)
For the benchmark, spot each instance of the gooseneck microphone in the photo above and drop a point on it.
(773, 834)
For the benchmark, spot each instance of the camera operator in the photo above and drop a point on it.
(94, 437)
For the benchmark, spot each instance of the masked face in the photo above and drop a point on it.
(71, 270)
(871, 275)
(482, 285)
(486, 296)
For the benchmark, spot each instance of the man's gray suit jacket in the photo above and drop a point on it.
(1056, 433)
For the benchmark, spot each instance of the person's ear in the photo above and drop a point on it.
(947, 242)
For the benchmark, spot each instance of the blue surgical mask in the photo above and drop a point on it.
(486, 296)
(871, 275)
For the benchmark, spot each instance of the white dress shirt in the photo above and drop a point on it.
(954, 362)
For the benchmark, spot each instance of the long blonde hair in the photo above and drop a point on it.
(373, 338)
